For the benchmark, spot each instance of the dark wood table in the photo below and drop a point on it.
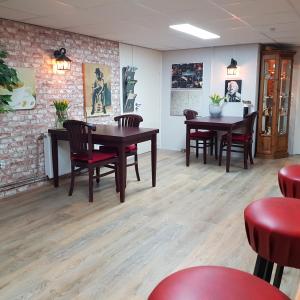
(219, 124)
(114, 136)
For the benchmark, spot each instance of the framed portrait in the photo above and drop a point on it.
(23, 95)
(187, 76)
(97, 90)
(233, 90)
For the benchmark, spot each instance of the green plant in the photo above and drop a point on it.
(216, 99)
(8, 81)
(61, 105)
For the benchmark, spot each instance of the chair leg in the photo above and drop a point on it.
(245, 155)
(250, 154)
(117, 177)
(98, 174)
(268, 271)
(260, 267)
(91, 174)
(278, 276)
(136, 166)
(204, 151)
(221, 152)
(216, 147)
(211, 141)
(197, 148)
(72, 179)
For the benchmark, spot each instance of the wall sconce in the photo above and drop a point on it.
(232, 69)
(62, 61)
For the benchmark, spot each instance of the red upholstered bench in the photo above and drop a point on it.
(214, 283)
(273, 232)
(289, 181)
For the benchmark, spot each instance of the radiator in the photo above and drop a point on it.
(64, 165)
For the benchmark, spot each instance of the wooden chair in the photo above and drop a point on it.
(128, 120)
(83, 156)
(202, 138)
(240, 141)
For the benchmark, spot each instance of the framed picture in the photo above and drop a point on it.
(233, 90)
(187, 76)
(24, 95)
(97, 90)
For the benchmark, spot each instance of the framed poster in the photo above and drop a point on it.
(24, 95)
(187, 76)
(233, 90)
(97, 90)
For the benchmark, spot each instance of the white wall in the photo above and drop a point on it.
(215, 61)
(148, 86)
(294, 128)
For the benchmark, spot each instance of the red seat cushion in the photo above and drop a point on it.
(289, 181)
(202, 135)
(97, 156)
(214, 283)
(239, 137)
(273, 229)
(108, 149)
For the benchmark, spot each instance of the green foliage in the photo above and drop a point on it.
(8, 81)
(61, 105)
(216, 99)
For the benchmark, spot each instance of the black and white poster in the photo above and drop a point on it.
(233, 90)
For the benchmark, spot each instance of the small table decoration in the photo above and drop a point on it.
(61, 115)
(215, 105)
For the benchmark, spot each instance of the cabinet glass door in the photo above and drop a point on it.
(268, 96)
(285, 83)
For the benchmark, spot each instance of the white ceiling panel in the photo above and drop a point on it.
(146, 22)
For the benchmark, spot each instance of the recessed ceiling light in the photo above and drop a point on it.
(195, 31)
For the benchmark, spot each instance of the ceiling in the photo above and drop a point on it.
(146, 22)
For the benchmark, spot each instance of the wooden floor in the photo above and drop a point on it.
(57, 247)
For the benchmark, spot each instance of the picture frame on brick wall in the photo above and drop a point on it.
(97, 89)
(23, 95)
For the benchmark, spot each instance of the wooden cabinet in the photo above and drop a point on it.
(274, 103)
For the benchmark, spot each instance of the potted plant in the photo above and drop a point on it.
(8, 81)
(61, 107)
(215, 105)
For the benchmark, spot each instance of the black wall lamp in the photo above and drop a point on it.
(63, 62)
(232, 69)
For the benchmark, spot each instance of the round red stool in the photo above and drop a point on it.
(273, 232)
(211, 283)
(289, 181)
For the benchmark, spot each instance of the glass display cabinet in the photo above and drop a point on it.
(274, 103)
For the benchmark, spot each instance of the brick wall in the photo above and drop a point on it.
(33, 46)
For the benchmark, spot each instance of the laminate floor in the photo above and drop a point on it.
(57, 247)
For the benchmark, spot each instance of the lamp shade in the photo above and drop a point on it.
(232, 68)
(62, 61)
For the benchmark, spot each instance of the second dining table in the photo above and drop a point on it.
(113, 136)
(227, 124)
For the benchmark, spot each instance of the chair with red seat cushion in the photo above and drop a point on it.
(202, 138)
(128, 120)
(242, 141)
(289, 181)
(273, 232)
(214, 283)
(83, 156)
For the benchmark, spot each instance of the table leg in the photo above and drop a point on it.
(54, 159)
(153, 159)
(187, 146)
(228, 154)
(122, 171)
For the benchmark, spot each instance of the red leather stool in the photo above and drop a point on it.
(214, 283)
(273, 232)
(289, 181)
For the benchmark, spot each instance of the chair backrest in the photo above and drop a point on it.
(80, 137)
(129, 120)
(249, 121)
(190, 114)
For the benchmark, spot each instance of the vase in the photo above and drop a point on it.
(215, 110)
(60, 117)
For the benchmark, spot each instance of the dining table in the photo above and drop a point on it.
(224, 123)
(112, 136)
